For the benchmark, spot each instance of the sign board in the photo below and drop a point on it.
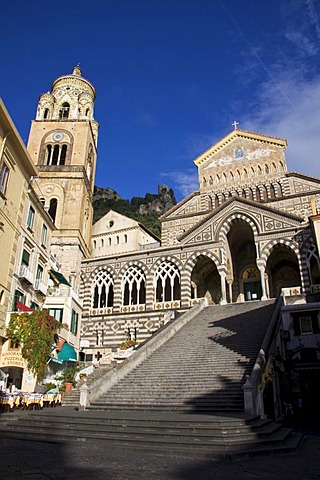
(12, 359)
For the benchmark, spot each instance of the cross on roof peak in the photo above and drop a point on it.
(235, 124)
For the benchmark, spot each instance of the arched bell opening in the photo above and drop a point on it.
(205, 280)
(282, 270)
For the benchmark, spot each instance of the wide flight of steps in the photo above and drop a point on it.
(200, 436)
(201, 368)
(186, 397)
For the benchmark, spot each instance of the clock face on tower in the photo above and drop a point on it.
(57, 137)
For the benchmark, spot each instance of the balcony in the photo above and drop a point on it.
(41, 287)
(26, 274)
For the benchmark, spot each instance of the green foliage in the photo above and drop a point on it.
(149, 219)
(68, 375)
(35, 331)
(50, 386)
(127, 344)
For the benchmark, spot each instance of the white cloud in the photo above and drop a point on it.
(184, 182)
(290, 108)
(302, 43)
(314, 17)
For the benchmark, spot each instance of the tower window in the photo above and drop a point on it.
(63, 154)
(65, 110)
(46, 113)
(53, 208)
(56, 154)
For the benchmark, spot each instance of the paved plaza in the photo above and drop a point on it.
(78, 461)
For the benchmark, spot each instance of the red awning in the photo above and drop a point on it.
(23, 308)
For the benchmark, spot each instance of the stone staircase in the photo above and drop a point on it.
(185, 397)
(200, 436)
(72, 397)
(201, 368)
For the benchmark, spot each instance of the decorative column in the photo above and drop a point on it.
(223, 275)
(263, 280)
(230, 282)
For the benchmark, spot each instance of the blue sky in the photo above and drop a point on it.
(171, 76)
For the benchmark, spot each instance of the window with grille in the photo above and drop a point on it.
(167, 282)
(102, 290)
(133, 286)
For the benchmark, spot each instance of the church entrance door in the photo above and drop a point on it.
(252, 291)
(241, 262)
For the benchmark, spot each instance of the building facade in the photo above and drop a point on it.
(244, 235)
(46, 195)
(16, 171)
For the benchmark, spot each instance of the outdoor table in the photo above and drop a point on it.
(32, 401)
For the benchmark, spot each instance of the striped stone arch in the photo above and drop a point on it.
(84, 289)
(88, 288)
(266, 251)
(139, 265)
(98, 269)
(224, 227)
(294, 246)
(306, 248)
(118, 278)
(192, 260)
(166, 258)
(169, 259)
(187, 271)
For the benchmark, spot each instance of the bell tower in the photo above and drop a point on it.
(63, 145)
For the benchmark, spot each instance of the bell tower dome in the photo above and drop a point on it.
(63, 145)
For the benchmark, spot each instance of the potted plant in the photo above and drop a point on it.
(68, 378)
(127, 344)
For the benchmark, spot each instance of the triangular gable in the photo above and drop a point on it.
(268, 220)
(267, 143)
(303, 183)
(113, 221)
(187, 206)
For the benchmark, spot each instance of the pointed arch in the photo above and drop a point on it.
(102, 290)
(133, 286)
(167, 280)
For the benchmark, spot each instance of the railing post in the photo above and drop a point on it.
(84, 396)
(249, 401)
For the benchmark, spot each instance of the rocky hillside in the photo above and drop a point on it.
(145, 210)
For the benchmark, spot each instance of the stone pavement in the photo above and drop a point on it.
(30, 460)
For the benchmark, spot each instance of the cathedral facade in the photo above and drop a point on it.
(243, 236)
(249, 233)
